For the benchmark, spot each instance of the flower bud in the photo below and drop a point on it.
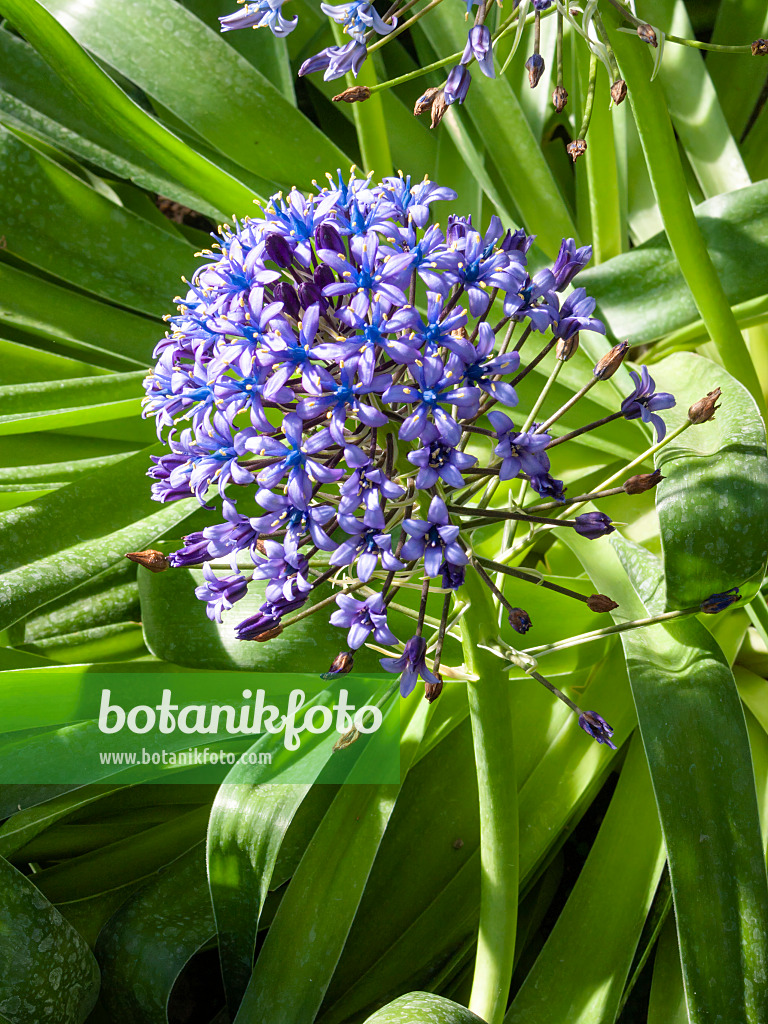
(342, 664)
(535, 66)
(595, 725)
(593, 525)
(520, 620)
(327, 237)
(309, 294)
(642, 482)
(155, 561)
(600, 603)
(286, 293)
(433, 690)
(347, 739)
(576, 149)
(268, 634)
(647, 34)
(718, 602)
(425, 101)
(760, 48)
(457, 84)
(566, 347)
(611, 361)
(277, 249)
(705, 408)
(619, 91)
(439, 107)
(355, 94)
(559, 99)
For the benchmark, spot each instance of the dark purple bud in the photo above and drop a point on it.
(593, 525)
(309, 294)
(718, 602)
(457, 85)
(520, 620)
(619, 91)
(323, 276)
(342, 664)
(535, 67)
(278, 250)
(327, 237)
(559, 99)
(153, 560)
(600, 603)
(576, 149)
(433, 690)
(705, 408)
(516, 241)
(286, 293)
(596, 727)
(611, 361)
(647, 34)
(642, 482)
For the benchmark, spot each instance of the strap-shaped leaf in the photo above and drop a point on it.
(57, 404)
(48, 971)
(423, 1008)
(713, 500)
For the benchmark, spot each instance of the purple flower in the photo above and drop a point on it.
(366, 545)
(220, 594)
(412, 663)
(286, 572)
(340, 399)
(645, 401)
(596, 727)
(718, 602)
(569, 262)
(297, 522)
(479, 45)
(439, 461)
(356, 18)
(593, 525)
(457, 84)
(547, 487)
(434, 539)
(362, 618)
(576, 315)
(484, 367)
(336, 61)
(519, 452)
(293, 458)
(432, 389)
(259, 14)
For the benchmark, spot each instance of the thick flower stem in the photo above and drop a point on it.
(488, 695)
(685, 238)
(370, 122)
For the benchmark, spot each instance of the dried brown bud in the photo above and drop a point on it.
(559, 99)
(619, 91)
(611, 361)
(760, 48)
(647, 34)
(347, 739)
(433, 690)
(535, 67)
(355, 94)
(260, 546)
(268, 634)
(576, 149)
(566, 347)
(424, 102)
(705, 408)
(341, 665)
(439, 107)
(642, 482)
(155, 561)
(600, 603)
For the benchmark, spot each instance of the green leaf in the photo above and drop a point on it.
(48, 971)
(423, 1008)
(64, 539)
(688, 708)
(144, 946)
(591, 946)
(170, 54)
(713, 500)
(667, 1000)
(21, 364)
(641, 295)
(93, 255)
(108, 101)
(58, 404)
(738, 79)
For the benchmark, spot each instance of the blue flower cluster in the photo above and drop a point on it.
(329, 361)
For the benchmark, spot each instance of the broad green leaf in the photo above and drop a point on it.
(238, 110)
(144, 946)
(667, 1000)
(641, 295)
(94, 256)
(423, 1008)
(97, 644)
(63, 403)
(48, 971)
(97, 90)
(738, 79)
(103, 334)
(66, 538)
(116, 602)
(688, 708)
(591, 946)
(713, 500)
(22, 364)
